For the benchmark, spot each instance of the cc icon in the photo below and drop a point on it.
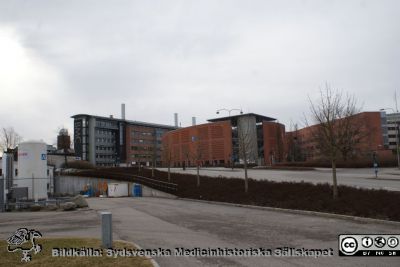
(349, 245)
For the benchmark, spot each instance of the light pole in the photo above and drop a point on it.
(229, 110)
(397, 137)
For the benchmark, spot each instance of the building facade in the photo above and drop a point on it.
(392, 121)
(110, 141)
(223, 141)
(373, 139)
(144, 143)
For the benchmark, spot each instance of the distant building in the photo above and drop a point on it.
(110, 141)
(223, 140)
(63, 140)
(393, 121)
(373, 128)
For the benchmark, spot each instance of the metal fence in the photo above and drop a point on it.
(156, 184)
(27, 204)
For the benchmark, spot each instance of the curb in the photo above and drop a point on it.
(155, 264)
(301, 212)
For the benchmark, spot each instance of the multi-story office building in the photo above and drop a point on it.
(144, 142)
(373, 139)
(224, 141)
(392, 121)
(110, 141)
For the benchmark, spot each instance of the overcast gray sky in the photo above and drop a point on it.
(60, 58)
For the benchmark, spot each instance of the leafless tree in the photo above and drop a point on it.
(167, 156)
(197, 156)
(245, 148)
(9, 139)
(186, 156)
(294, 148)
(279, 142)
(335, 131)
(154, 155)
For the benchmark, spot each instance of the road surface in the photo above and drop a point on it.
(156, 223)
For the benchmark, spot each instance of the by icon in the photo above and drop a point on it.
(367, 242)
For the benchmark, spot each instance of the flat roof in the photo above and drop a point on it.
(140, 123)
(259, 118)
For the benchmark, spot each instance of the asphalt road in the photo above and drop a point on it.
(168, 224)
(388, 178)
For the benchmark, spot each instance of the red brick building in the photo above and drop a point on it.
(143, 144)
(217, 142)
(205, 144)
(373, 130)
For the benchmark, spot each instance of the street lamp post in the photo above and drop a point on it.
(397, 137)
(229, 110)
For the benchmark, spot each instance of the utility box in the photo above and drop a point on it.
(118, 190)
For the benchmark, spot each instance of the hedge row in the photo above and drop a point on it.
(379, 204)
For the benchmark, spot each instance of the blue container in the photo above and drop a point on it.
(137, 190)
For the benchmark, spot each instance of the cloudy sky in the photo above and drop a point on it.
(60, 58)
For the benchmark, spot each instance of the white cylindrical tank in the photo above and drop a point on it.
(32, 169)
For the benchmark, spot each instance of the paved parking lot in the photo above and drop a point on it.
(167, 223)
(388, 178)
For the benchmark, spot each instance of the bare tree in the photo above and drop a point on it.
(154, 154)
(197, 156)
(186, 156)
(279, 142)
(167, 156)
(335, 131)
(294, 148)
(246, 147)
(9, 139)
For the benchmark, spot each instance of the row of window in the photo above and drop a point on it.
(105, 132)
(105, 140)
(142, 141)
(144, 148)
(158, 133)
(138, 133)
(142, 156)
(100, 123)
(100, 156)
(105, 148)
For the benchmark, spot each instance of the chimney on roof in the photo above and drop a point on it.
(176, 119)
(123, 111)
(193, 121)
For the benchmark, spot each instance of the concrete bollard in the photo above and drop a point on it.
(106, 229)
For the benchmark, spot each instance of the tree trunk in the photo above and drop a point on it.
(169, 173)
(335, 190)
(246, 181)
(152, 171)
(198, 175)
